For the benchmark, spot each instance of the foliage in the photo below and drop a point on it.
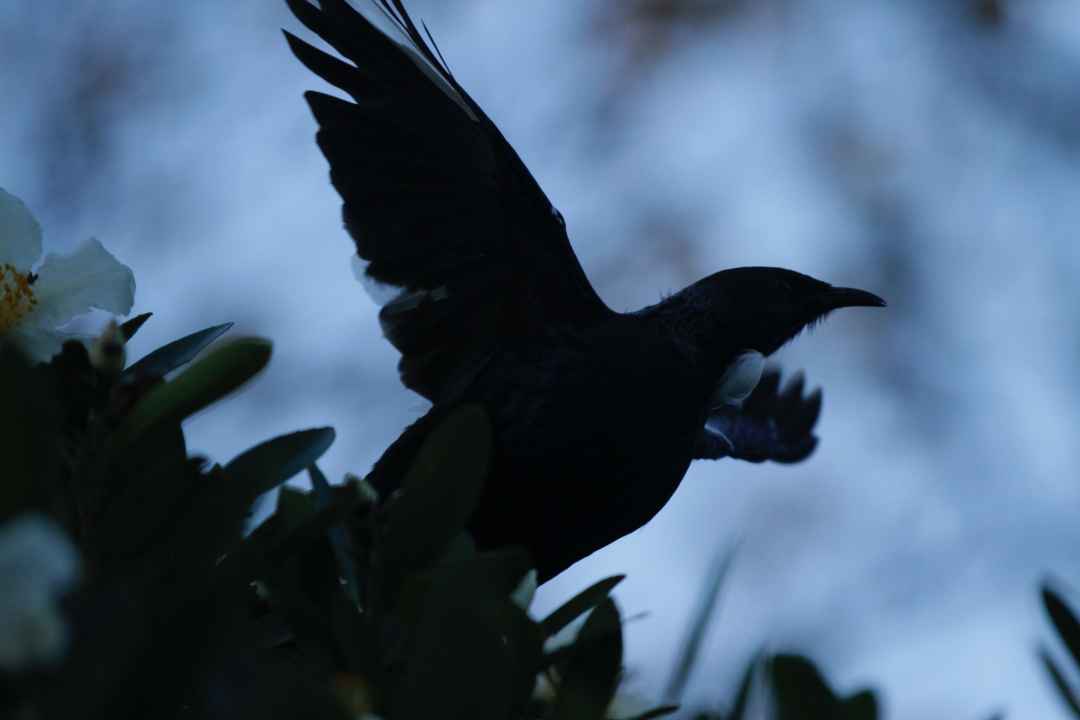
(337, 605)
(1068, 629)
(340, 604)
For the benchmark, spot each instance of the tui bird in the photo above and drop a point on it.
(596, 414)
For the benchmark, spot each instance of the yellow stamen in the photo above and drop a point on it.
(16, 296)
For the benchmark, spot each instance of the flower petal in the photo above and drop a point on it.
(40, 344)
(70, 285)
(35, 550)
(39, 563)
(20, 234)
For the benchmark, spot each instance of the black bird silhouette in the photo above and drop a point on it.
(597, 414)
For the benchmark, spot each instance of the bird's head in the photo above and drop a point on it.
(759, 308)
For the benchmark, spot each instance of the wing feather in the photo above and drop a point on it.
(436, 200)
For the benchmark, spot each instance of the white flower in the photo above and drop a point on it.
(33, 305)
(38, 563)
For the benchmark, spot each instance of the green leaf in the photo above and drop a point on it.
(293, 506)
(862, 705)
(167, 358)
(129, 328)
(503, 569)
(580, 604)
(283, 543)
(206, 525)
(1065, 622)
(460, 549)
(1062, 685)
(271, 463)
(141, 491)
(340, 541)
(800, 689)
(294, 528)
(497, 571)
(320, 486)
(223, 370)
(696, 631)
(742, 695)
(217, 510)
(439, 492)
(472, 653)
(30, 433)
(592, 670)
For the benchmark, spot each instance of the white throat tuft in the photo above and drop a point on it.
(740, 379)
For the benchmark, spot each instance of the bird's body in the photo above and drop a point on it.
(578, 417)
(597, 414)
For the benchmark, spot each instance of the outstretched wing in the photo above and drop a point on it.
(440, 206)
(770, 425)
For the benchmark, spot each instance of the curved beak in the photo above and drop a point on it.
(841, 297)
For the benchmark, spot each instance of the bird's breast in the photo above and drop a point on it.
(593, 434)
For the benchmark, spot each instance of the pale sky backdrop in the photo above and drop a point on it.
(927, 150)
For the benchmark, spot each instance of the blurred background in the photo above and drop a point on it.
(927, 150)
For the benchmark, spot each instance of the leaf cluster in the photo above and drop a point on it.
(339, 604)
(1067, 626)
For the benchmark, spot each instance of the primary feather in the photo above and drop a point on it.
(437, 201)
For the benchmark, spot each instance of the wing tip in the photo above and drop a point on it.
(303, 10)
(296, 45)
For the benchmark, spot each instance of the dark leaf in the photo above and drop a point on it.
(29, 430)
(504, 568)
(742, 695)
(1064, 621)
(280, 543)
(223, 370)
(862, 705)
(320, 486)
(580, 604)
(460, 549)
(800, 690)
(591, 673)
(167, 358)
(271, 463)
(129, 328)
(700, 624)
(267, 686)
(473, 653)
(439, 491)
(1064, 690)
(293, 506)
(340, 541)
(135, 645)
(312, 626)
(208, 524)
(141, 492)
(222, 504)
(295, 511)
